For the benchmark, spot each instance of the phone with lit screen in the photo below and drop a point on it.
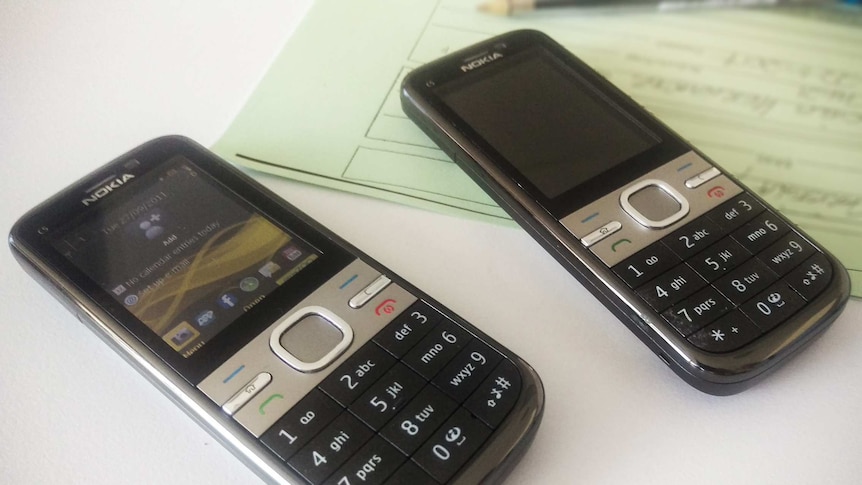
(309, 360)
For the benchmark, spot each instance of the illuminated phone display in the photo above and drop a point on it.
(180, 254)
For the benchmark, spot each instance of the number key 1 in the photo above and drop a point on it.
(646, 264)
(293, 430)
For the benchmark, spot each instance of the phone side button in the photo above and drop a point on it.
(244, 395)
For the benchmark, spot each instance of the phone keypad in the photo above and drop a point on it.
(736, 272)
(417, 400)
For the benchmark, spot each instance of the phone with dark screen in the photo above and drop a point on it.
(720, 285)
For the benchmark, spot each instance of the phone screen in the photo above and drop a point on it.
(181, 253)
(551, 126)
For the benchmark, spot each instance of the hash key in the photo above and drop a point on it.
(811, 277)
(497, 395)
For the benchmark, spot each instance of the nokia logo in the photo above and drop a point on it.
(481, 61)
(105, 187)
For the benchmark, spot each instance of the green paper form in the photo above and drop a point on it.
(773, 95)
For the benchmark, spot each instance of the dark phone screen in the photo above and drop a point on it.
(546, 121)
(180, 252)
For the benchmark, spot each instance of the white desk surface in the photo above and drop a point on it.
(81, 82)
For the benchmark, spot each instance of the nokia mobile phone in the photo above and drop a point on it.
(309, 360)
(716, 282)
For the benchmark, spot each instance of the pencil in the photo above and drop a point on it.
(510, 7)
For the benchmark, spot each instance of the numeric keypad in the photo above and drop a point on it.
(729, 276)
(393, 409)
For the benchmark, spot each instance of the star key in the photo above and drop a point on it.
(727, 334)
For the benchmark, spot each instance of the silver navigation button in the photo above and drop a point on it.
(244, 395)
(702, 178)
(601, 233)
(654, 203)
(369, 292)
(310, 338)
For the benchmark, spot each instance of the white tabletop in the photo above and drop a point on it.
(82, 82)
